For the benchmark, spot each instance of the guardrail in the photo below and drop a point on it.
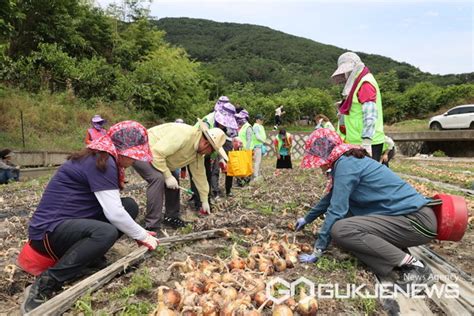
(457, 135)
(40, 158)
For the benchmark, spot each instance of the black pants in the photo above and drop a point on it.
(76, 243)
(377, 152)
(277, 120)
(196, 197)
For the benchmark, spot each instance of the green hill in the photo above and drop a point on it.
(274, 60)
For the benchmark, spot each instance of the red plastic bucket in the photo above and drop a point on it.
(451, 216)
(32, 261)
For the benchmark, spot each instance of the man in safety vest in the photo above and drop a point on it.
(97, 130)
(258, 144)
(361, 108)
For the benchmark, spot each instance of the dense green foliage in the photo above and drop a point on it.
(60, 45)
(67, 60)
(273, 60)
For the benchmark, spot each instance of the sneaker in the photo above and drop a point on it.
(39, 292)
(230, 195)
(410, 275)
(174, 222)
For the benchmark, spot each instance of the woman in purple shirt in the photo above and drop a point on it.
(81, 214)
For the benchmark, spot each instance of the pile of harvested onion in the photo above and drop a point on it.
(235, 286)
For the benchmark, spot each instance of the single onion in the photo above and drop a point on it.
(229, 293)
(307, 306)
(291, 303)
(215, 276)
(171, 298)
(260, 298)
(251, 263)
(244, 298)
(255, 250)
(280, 264)
(282, 310)
(236, 262)
(162, 309)
(305, 248)
(227, 278)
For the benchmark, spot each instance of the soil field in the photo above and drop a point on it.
(259, 215)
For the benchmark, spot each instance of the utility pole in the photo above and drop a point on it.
(22, 129)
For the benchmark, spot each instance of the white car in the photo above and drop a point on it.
(461, 116)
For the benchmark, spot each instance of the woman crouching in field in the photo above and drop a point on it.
(81, 214)
(370, 211)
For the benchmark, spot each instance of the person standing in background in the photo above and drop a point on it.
(361, 108)
(322, 121)
(245, 139)
(283, 143)
(388, 151)
(8, 170)
(278, 113)
(258, 144)
(97, 130)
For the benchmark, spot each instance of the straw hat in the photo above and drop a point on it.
(216, 138)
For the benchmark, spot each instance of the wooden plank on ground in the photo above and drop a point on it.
(407, 306)
(63, 301)
(444, 274)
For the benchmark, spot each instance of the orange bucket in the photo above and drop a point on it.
(32, 261)
(451, 216)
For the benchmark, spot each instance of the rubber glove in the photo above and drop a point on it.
(206, 208)
(150, 241)
(300, 223)
(172, 183)
(367, 144)
(305, 258)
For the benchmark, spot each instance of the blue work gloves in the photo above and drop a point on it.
(300, 224)
(305, 258)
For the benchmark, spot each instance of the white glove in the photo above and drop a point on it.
(206, 208)
(367, 144)
(149, 241)
(172, 183)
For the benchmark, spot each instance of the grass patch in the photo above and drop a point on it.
(141, 282)
(408, 126)
(84, 305)
(188, 229)
(160, 252)
(140, 308)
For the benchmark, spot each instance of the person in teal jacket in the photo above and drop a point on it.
(369, 210)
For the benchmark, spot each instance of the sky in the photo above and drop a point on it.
(436, 36)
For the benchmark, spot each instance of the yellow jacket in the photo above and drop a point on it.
(174, 146)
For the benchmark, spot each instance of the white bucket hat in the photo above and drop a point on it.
(346, 63)
(216, 138)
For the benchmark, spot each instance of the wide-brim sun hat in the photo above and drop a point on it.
(346, 63)
(225, 115)
(244, 114)
(216, 138)
(97, 119)
(130, 139)
(318, 148)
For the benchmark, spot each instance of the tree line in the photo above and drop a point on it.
(178, 67)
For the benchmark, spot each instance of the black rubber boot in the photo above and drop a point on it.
(39, 292)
